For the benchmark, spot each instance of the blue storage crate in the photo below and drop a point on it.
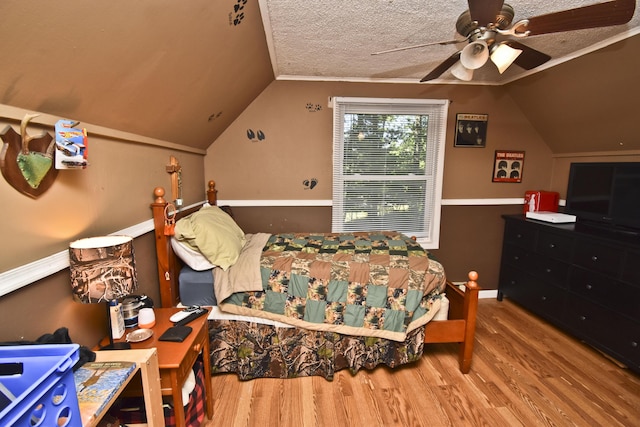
(38, 386)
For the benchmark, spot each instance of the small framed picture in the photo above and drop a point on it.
(471, 130)
(508, 166)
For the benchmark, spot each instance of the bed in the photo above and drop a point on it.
(312, 314)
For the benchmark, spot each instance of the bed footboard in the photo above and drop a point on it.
(461, 325)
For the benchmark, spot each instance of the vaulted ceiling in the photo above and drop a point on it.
(335, 39)
(183, 71)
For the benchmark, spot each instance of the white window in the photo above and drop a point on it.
(388, 157)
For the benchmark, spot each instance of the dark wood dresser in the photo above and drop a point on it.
(586, 282)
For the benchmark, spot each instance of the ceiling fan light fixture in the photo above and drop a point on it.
(461, 72)
(503, 56)
(475, 55)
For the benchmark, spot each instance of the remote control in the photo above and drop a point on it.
(191, 316)
(184, 313)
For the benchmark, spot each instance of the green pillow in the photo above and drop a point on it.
(214, 233)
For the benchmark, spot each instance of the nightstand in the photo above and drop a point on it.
(176, 359)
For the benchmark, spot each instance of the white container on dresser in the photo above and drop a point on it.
(585, 282)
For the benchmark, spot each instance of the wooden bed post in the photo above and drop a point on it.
(212, 193)
(471, 311)
(164, 255)
(461, 324)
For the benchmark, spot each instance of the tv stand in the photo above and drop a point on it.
(583, 282)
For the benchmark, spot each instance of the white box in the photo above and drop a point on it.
(555, 217)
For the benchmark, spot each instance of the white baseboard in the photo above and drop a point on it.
(489, 293)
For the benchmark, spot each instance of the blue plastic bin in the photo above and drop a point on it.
(38, 386)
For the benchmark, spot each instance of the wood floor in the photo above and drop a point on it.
(524, 373)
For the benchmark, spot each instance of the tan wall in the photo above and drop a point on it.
(297, 124)
(112, 194)
(588, 104)
(298, 142)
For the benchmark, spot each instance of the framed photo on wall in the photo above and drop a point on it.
(471, 130)
(508, 166)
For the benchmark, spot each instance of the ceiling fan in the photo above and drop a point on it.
(486, 27)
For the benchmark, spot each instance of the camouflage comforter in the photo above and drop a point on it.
(375, 284)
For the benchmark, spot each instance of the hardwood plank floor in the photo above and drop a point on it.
(524, 373)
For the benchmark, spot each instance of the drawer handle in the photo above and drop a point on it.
(197, 347)
(552, 245)
(594, 258)
(589, 287)
(634, 344)
(516, 257)
(583, 318)
(519, 236)
(548, 270)
(544, 298)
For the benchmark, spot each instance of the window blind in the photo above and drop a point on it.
(387, 165)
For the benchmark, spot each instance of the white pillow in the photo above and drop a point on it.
(192, 258)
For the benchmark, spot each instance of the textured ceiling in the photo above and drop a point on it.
(334, 39)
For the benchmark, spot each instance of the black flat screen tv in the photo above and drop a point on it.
(605, 194)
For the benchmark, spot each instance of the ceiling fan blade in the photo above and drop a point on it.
(596, 15)
(398, 49)
(485, 11)
(529, 58)
(444, 66)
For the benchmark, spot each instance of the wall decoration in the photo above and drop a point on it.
(508, 166)
(214, 116)
(236, 17)
(71, 145)
(253, 136)
(27, 161)
(471, 130)
(310, 184)
(312, 108)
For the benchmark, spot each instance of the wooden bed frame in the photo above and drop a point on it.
(463, 304)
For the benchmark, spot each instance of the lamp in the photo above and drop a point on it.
(103, 270)
(503, 56)
(460, 72)
(474, 55)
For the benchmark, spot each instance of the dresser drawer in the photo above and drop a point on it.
(605, 330)
(541, 298)
(548, 301)
(555, 246)
(520, 234)
(551, 270)
(598, 257)
(631, 268)
(516, 256)
(618, 296)
(512, 281)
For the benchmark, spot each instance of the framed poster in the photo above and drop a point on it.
(508, 166)
(471, 130)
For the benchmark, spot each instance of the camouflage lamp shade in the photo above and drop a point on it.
(102, 268)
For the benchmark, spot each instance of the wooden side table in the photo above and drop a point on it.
(147, 364)
(176, 359)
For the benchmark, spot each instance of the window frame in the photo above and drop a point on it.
(437, 109)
